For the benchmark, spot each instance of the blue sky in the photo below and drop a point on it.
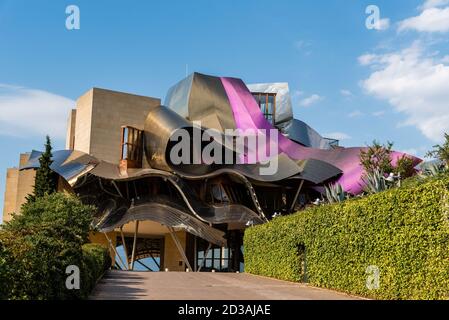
(347, 81)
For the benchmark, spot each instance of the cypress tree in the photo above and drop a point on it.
(46, 180)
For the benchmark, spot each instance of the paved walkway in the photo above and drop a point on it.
(123, 285)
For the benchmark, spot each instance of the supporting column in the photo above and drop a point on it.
(125, 250)
(204, 258)
(115, 251)
(195, 253)
(179, 246)
(136, 230)
(296, 196)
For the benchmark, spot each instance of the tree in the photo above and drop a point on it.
(376, 158)
(441, 152)
(46, 180)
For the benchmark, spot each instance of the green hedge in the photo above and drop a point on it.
(404, 232)
(96, 261)
(38, 245)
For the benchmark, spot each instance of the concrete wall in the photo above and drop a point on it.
(19, 184)
(83, 122)
(101, 114)
(70, 136)
(9, 205)
(172, 258)
(25, 184)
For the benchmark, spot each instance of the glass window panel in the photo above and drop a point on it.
(224, 264)
(225, 253)
(209, 255)
(125, 135)
(270, 108)
(125, 152)
(200, 254)
(217, 264)
(263, 105)
(217, 253)
(208, 263)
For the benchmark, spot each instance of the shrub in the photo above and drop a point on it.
(38, 245)
(374, 182)
(377, 158)
(96, 261)
(403, 231)
(334, 193)
(4, 273)
(404, 167)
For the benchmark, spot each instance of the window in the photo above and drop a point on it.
(267, 104)
(132, 146)
(217, 258)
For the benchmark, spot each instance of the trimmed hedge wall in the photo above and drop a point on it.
(96, 260)
(404, 232)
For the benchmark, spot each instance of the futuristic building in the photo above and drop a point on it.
(190, 214)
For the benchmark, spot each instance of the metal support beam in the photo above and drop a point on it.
(115, 251)
(195, 260)
(296, 195)
(116, 188)
(124, 246)
(179, 246)
(144, 265)
(204, 258)
(155, 261)
(136, 230)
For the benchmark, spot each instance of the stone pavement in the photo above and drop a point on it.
(125, 285)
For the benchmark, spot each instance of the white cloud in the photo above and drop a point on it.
(25, 111)
(379, 113)
(346, 93)
(382, 24)
(307, 102)
(338, 136)
(433, 4)
(297, 94)
(432, 19)
(303, 46)
(355, 114)
(367, 59)
(414, 84)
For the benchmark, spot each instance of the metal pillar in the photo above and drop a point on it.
(195, 260)
(115, 251)
(179, 246)
(136, 230)
(204, 258)
(296, 196)
(125, 250)
(117, 188)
